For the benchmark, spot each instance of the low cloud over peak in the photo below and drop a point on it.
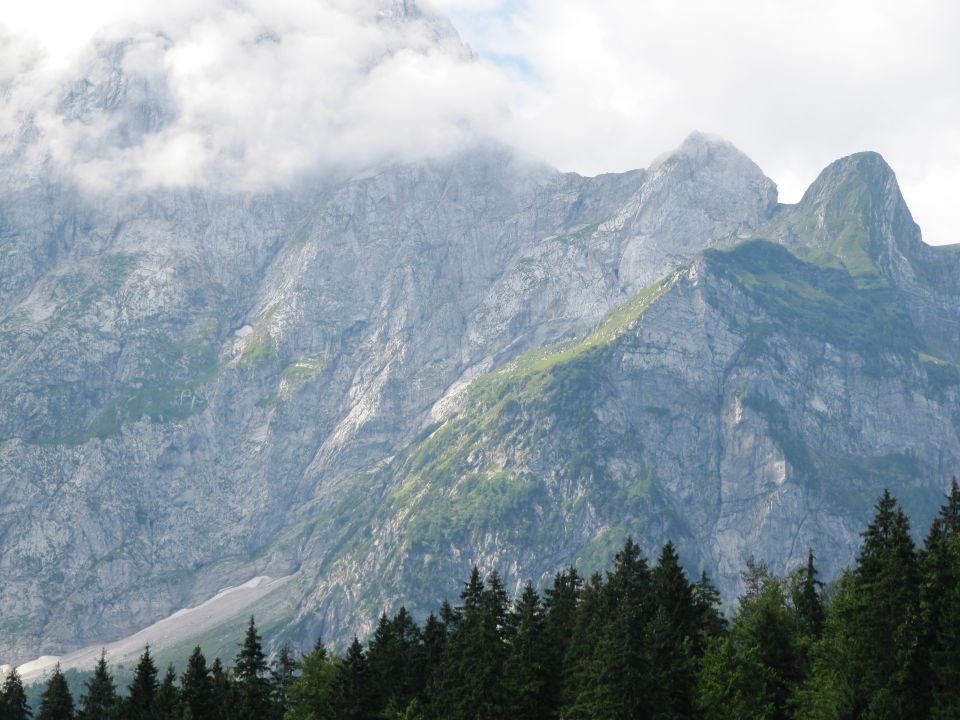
(252, 94)
(248, 95)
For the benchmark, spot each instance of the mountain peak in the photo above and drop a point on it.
(704, 155)
(864, 171)
(700, 148)
(854, 211)
(699, 139)
(715, 172)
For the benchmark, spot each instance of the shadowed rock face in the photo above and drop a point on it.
(199, 387)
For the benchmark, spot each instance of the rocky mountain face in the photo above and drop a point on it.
(753, 402)
(372, 383)
(187, 375)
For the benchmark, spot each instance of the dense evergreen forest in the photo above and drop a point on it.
(883, 641)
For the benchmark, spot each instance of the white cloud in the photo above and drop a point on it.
(253, 94)
(793, 84)
(259, 91)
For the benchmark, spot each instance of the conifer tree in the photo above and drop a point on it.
(13, 699)
(447, 699)
(755, 578)
(561, 603)
(413, 711)
(757, 668)
(410, 649)
(395, 658)
(166, 703)
(224, 692)
(56, 702)
(351, 693)
(944, 648)
(766, 625)
(252, 677)
(869, 662)
(311, 696)
(637, 643)
(950, 512)
(434, 647)
(672, 668)
(625, 678)
(887, 616)
(670, 636)
(143, 689)
(582, 696)
(732, 682)
(673, 593)
(832, 689)
(283, 676)
(473, 661)
(707, 600)
(382, 661)
(524, 674)
(609, 667)
(940, 608)
(100, 701)
(196, 688)
(449, 615)
(807, 601)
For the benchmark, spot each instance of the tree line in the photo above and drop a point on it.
(639, 641)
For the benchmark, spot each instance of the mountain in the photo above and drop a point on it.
(365, 384)
(750, 403)
(188, 374)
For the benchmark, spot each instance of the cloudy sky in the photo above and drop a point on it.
(261, 90)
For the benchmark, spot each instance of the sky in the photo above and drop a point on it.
(261, 91)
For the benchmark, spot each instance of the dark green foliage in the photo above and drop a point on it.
(196, 688)
(609, 664)
(561, 604)
(139, 702)
(283, 671)
(166, 703)
(805, 593)
(887, 617)
(435, 632)
(762, 653)
(311, 695)
(940, 608)
(352, 691)
(766, 623)
(13, 699)
(673, 593)
(395, 656)
(252, 677)
(580, 666)
(672, 635)
(869, 663)
(224, 693)
(473, 664)
(525, 670)
(100, 701)
(732, 682)
(706, 600)
(57, 703)
(831, 690)
(883, 641)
